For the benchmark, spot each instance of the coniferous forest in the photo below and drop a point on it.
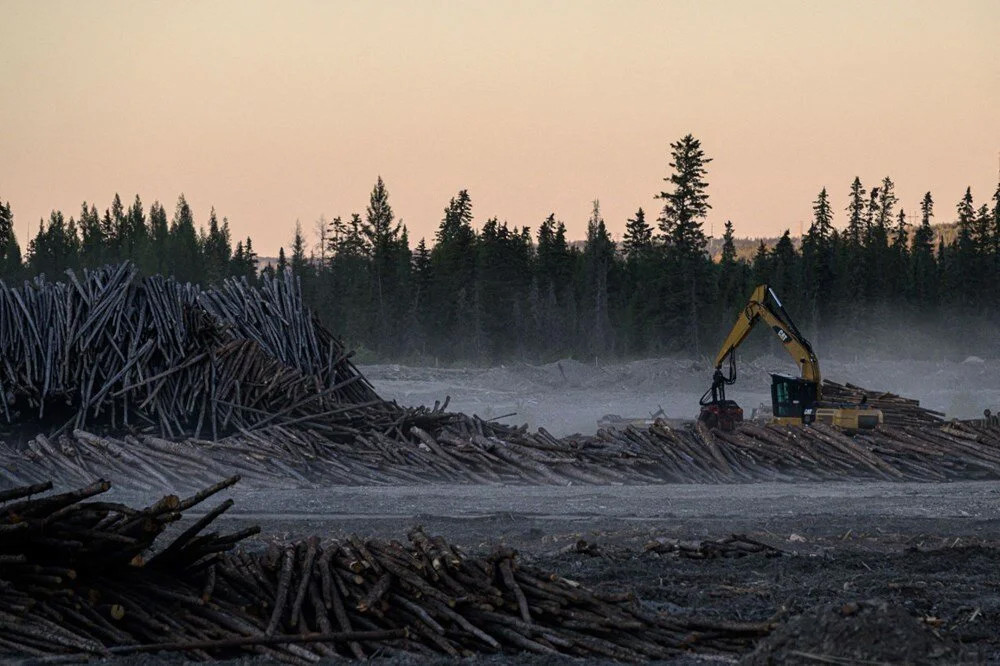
(487, 291)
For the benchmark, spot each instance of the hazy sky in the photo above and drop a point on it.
(273, 111)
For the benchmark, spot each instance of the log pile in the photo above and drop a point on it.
(115, 352)
(471, 451)
(896, 410)
(815, 453)
(79, 579)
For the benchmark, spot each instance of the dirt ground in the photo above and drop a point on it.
(569, 396)
(869, 573)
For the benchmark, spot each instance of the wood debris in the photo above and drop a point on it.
(81, 578)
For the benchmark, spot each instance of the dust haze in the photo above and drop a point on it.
(950, 364)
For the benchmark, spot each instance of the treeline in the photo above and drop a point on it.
(488, 292)
(146, 238)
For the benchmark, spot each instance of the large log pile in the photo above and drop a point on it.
(79, 578)
(472, 451)
(112, 351)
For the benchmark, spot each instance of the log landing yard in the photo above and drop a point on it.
(204, 474)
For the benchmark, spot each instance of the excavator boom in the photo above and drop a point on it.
(765, 305)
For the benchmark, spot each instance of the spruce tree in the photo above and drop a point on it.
(923, 264)
(638, 237)
(388, 247)
(965, 274)
(156, 257)
(680, 223)
(818, 257)
(184, 250)
(217, 247)
(10, 250)
(137, 235)
(855, 214)
(598, 254)
(93, 245)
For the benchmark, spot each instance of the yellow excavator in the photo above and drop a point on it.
(794, 400)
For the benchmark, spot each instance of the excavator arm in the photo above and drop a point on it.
(764, 305)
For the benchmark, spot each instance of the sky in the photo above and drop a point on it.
(274, 112)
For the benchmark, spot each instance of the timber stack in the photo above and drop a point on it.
(896, 410)
(113, 351)
(471, 451)
(81, 579)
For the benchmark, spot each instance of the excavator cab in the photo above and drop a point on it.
(792, 399)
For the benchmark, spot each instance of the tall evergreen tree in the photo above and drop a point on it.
(856, 215)
(10, 250)
(156, 258)
(638, 237)
(964, 276)
(923, 264)
(183, 248)
(389, 256)
(680, 222)
(218, 250)
(598, 255)
(93, 248)
(819, 257)
(136, 233)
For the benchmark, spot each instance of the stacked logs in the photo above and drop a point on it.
(113, 351)
(470, 450)
(78, 580)
(896, 410)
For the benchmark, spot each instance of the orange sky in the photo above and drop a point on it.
(273, 111)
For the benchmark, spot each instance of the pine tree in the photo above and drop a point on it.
(282, 264)
(56, 247)
(389, 255)
(137, 235)
(638, 236)
(818, 256)
(598, 254)
(923, 265)
(453, 261)
(117, 227)
(217, 246)
(964, 274)
(299, 262)
(731, 277)
(93, 248)
(156, 257)
(687, 204)
(900, 256)
(856, 215)
(10, 250)
(994, 233)
(184, 250)
(785, 270)
(680, 225)
(761, 265)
